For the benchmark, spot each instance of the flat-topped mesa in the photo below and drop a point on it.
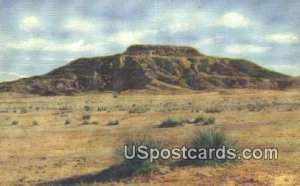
(163, 50)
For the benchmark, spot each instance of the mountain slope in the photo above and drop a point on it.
(149, 66)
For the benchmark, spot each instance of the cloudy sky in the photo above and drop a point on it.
(39, 35)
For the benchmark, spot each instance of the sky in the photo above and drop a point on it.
(39, 35)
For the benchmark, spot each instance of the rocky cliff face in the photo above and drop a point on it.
(149, 66)
(163, 50)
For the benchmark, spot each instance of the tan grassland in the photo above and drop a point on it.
(42, 139)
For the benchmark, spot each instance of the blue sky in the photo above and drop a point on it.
(37, 36)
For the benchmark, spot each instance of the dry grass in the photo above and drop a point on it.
(51, 150)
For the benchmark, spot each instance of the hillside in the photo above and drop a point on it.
(150, 67)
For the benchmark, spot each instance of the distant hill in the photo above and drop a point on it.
(150, 67)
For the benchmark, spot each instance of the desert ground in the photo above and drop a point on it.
(45, 140)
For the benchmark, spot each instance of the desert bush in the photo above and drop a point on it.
(113, 122)
(138, 110)
(255, 107)
(15, 122)
(116, 94)
(171, 122)
(67, 121)
(87, 108)
(213, 110)
(137, 166)
(94, 123)
(209, 121)
(23, 110)
(85, 122)
(99, 109)
(200, 118)
(35, 122)
(212, 139)
(86, 117)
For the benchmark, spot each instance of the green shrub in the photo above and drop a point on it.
(255, 107)
(87, 108)
(113, 122)
(99, 109)
(94, 123)
(212, 139)
(199, 119)
(85, 122)
(138, 110)
(23, 110)
(35, 122)
(116, 94)
(170, 122)
(213, 110)
(67, 121)
(15, 122)
(136, 166)
(209, 121)
(86, 117)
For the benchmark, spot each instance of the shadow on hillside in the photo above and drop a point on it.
(111, 174)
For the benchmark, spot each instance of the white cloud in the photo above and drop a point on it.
(181, 27)
(42, 44)
(181, 21)
(48, 58)
(130, 37)
(80, 45)
(208, 41)
(237, 49)
(234, 20)
(30, 23)
(204, 43)
(80, 25)
(33, 43)
(285, 38)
